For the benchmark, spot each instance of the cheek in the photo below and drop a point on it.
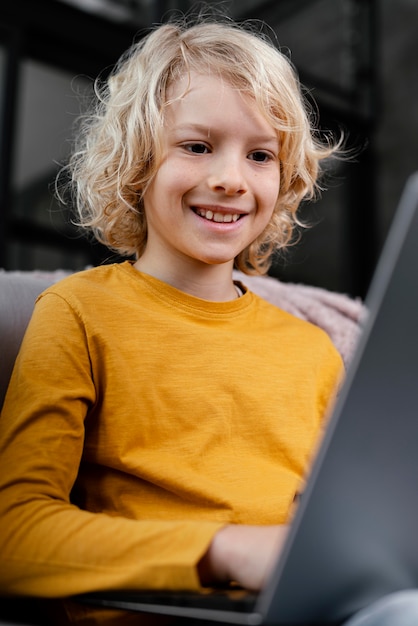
(268, 186)
(271, 195)
(175, 178)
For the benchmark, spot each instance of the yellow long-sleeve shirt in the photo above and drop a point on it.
(139, 420)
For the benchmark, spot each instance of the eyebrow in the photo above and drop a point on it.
(190, 126)
(200, 128)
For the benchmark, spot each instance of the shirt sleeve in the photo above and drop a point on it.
(48, 546)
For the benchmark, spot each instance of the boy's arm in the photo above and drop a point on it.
(48, 546)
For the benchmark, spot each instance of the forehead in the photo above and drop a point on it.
(190, 85)
(210, 99)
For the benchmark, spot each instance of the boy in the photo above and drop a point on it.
(161, 418)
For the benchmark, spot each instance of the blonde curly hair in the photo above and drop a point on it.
(120, 144)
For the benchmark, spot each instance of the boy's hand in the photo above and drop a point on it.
(243, 554)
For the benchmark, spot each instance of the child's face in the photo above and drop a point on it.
(219, 180)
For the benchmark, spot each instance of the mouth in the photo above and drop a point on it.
(217, 216)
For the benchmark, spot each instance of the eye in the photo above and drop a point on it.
(196, 148)
(260, 156)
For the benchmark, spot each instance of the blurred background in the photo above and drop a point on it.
(358, 58)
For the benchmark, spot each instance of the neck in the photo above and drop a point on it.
(208, 282)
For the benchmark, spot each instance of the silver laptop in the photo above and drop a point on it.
(355, 534)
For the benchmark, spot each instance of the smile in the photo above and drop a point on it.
(217, 217)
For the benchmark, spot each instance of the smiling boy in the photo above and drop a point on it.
(162, 415)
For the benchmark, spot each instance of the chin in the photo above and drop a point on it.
(218, 261)
(219, 258)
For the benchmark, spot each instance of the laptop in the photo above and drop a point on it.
(354, 536)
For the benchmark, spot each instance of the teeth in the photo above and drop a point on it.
(218, 217)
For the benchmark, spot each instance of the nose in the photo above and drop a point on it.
(227, 176)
